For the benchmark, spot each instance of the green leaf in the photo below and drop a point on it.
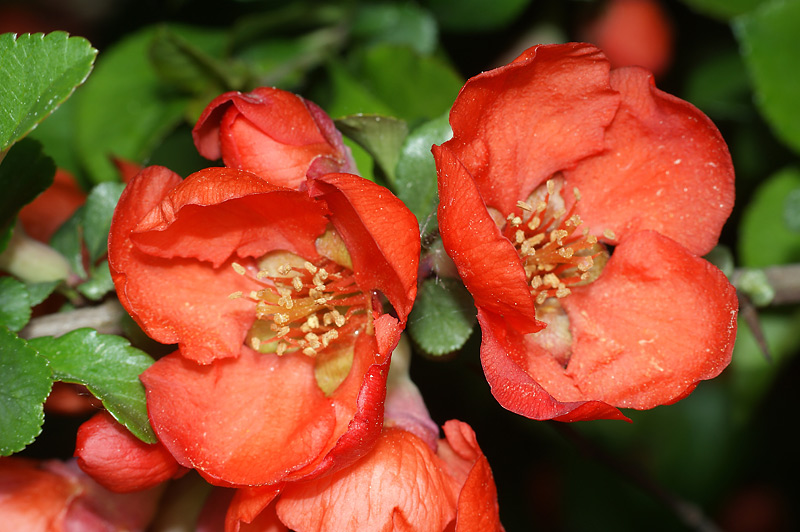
(37, 73)
(24, 174)
(396, 23)
(15, 304)
(97, 214)
(24, 385)
(109, 367)
(443, 316)
(731, 100)
(791, 211)
(124, 110)
(67, 240)
(38, 292)
(381, 136)
(476, 15)
(191, 59)
(417, 87)
(723, 9)
(416, 181)
(764, 239)
(99, 284)
(768, 38)
(347, 95)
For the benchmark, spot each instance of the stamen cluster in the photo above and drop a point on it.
(306, 308)
(555, 255)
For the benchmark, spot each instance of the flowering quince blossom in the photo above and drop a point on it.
(410, 480)
(272, 296)
(584, 197)
(273, 133)
(55, 496)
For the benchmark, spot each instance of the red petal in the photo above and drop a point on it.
(32, 498)
(487, 262)
(400, 485)
(477, 502)
(666, 168)
(381, 234)
(217, 212)
(250, 510)
(508, 365)
(174, 300)
(118, 460)
(517, 125)
(358, 402)
(271, 132)
(633, 33)
(246, 421)
(44, 215)
(656, 322)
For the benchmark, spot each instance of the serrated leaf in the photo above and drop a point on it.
(15, 304)
(25, 383)
(99, 284)
(37, 73)
(416, 181)
(109, 367)
(124, 110)
(764, 239)
(768, 39)
(443, 316)
(381, 136)
(24, 173)
(38, 292)
(97, 214)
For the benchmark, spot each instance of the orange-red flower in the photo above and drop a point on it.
(581, 198)
(54, 496)
(273, 297)
(402, 484)
(276, 134)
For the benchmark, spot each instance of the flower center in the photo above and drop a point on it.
(555, 254)
(304, 306)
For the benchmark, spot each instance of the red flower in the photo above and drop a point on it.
(628, 166)
(272, 296)
(633, 33)
(44, 215)
(53, 496)
(402, 484)
(273, 133)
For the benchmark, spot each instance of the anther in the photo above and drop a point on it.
(235, 295)
(609, 234)
(310, 267)
(238, 268)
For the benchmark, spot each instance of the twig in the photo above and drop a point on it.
(689, 513)
(105, 318)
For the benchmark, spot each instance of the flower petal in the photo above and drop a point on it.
(119, 461)
(508, 366)
(174, 300)
(359, 401)
(400, 485)
(381, 234)
(655, 323)
(477, 501)
(665, 168)
(515, 126)
(487, 262)
(251, 510)
(217, 212)
(245, 421)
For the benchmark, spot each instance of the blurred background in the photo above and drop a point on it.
(725, 458)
